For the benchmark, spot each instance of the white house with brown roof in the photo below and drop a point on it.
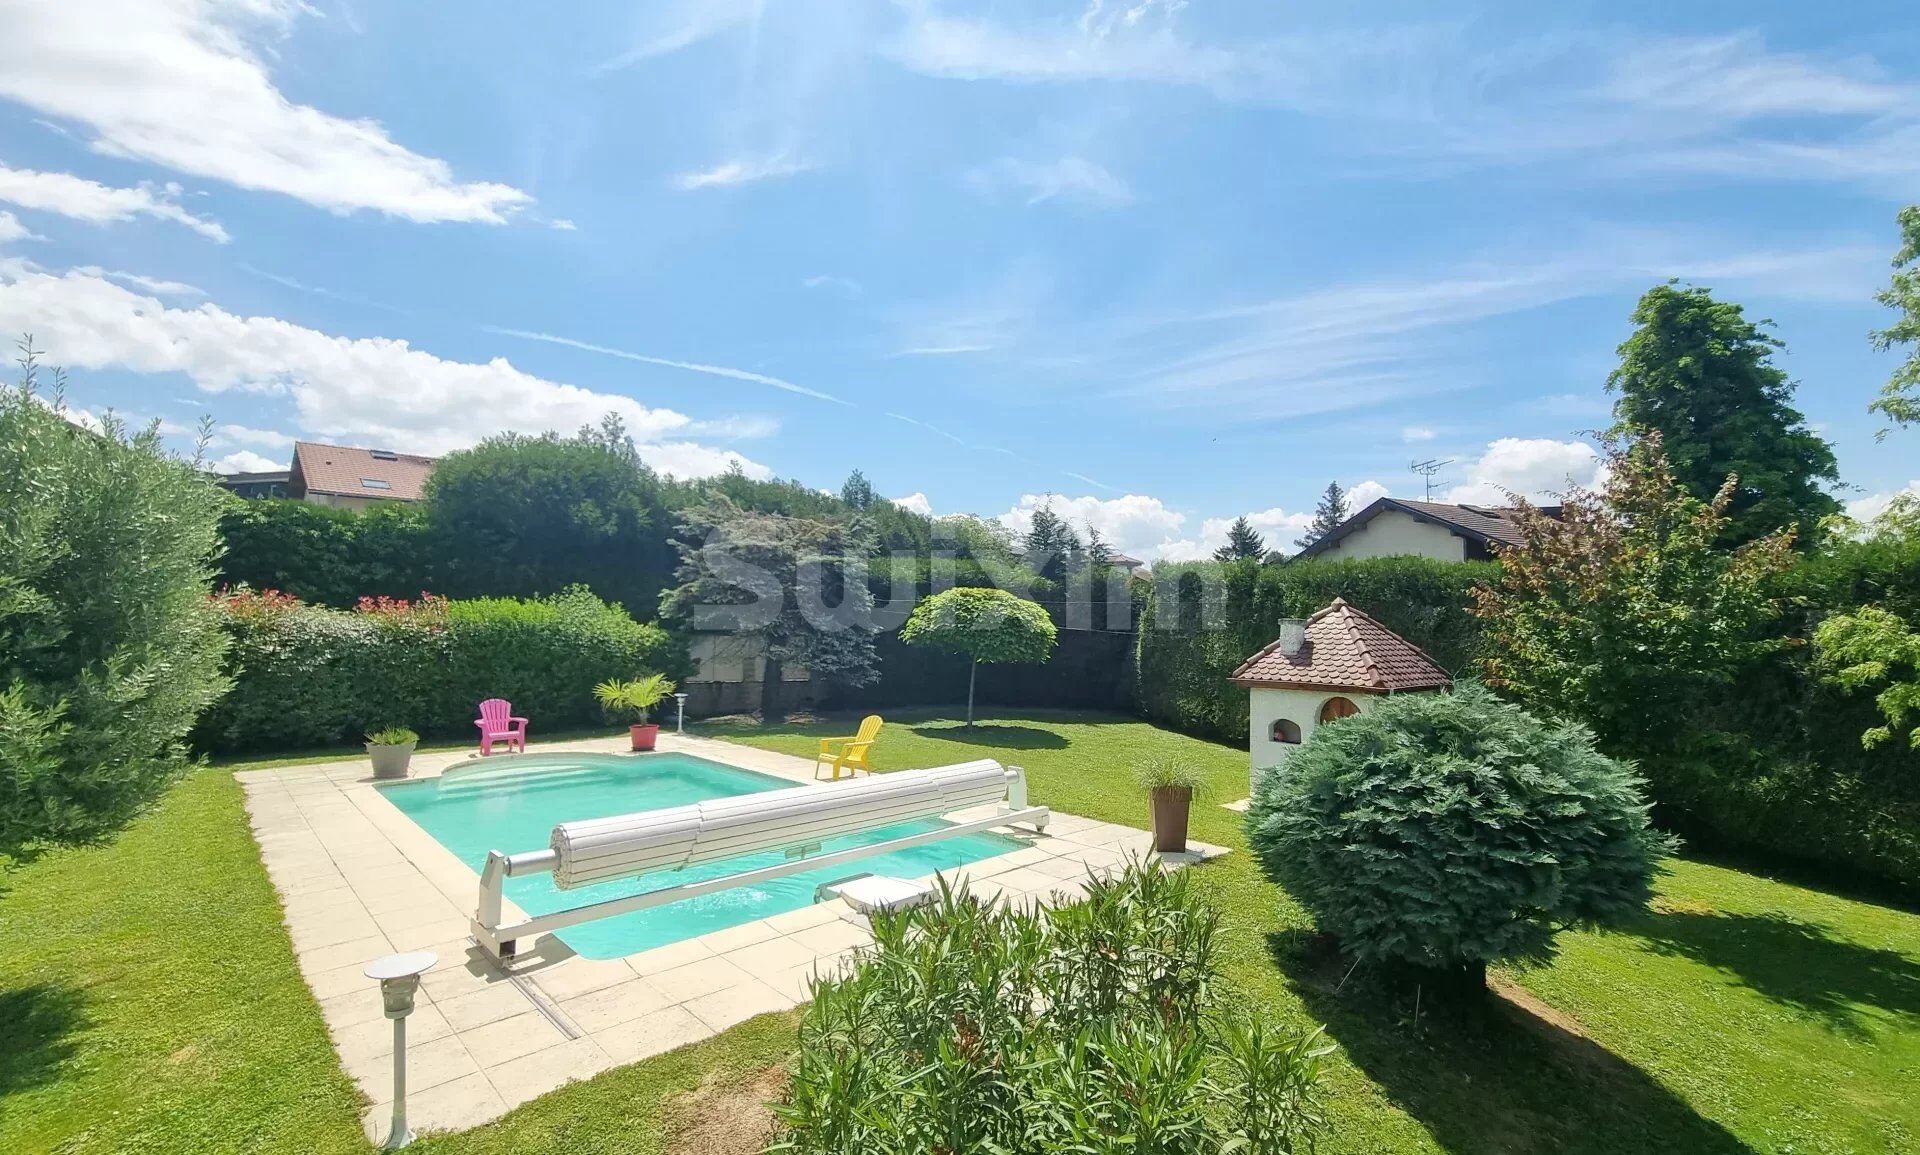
(1335, 664)
(354, 478)
(1392, 527)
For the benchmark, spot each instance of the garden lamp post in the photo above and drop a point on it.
(399, 977)
(680, 718)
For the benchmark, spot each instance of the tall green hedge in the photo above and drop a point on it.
(330, 556)
(1205, 618)
(306, 675)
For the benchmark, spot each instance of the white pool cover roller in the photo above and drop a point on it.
(798, 821)
(597, 849)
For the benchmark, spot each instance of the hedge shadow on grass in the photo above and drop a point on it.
(1483, 1074)
(43, 1027)
(999, 735)
(1793, 962)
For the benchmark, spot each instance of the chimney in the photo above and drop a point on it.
(1293, 636)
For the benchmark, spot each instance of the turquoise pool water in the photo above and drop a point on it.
(514, 806)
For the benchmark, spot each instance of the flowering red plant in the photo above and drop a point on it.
(244, 601)
(428, 608)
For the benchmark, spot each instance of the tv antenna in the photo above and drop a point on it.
(1428, 469)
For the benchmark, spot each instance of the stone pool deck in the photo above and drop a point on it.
(358, 879)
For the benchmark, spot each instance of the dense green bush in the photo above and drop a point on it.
(525, 516)
(1205, 618)
(108, 650)
(328, 556)
(306, 675)
(1452, 830)
(1097, 1027)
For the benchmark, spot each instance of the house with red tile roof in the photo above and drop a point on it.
(1333, 665)
(354, 478)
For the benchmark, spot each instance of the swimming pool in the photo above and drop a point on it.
(514, 805)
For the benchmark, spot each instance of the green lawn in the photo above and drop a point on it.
(151, 1004)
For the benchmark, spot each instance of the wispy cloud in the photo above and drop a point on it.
(940, 350)
(158, 286)
(1439, 96)
(937, 431)
(667, 28)
(1069, 178)
(744, 170)
(87, 200)
(1083, 478)
(669, 363)
(846, 285)
(1351, 345)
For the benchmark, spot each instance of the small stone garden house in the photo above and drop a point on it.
(1330, 666)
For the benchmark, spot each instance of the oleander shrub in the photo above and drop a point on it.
(108, 651)
(308, 676)
(1098, 1027)
(1452, 830)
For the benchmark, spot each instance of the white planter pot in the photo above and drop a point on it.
(391, 761)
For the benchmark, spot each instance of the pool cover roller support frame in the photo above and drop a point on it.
(793, 820)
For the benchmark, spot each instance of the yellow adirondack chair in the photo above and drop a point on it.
(849, 754)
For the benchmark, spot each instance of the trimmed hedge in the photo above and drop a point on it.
(1188, 644)
(311, 676)
(330, 556)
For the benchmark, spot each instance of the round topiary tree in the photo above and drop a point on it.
(987, 625)
(1452, 830)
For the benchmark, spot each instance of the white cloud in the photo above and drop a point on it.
(12, 230)
(743, 170)
(1133, 524)
(689, 366)
(247, 461)
(1416, 433)
(1364, 494)
(378, 389)
(914, 503)
(1071, 178)
(184, 84)
(1534, 468)
(1874, 504)
(96, 203)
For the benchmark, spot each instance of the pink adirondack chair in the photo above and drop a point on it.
(498, 722)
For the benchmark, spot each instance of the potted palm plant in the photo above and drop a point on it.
(1171, 785)
(392, 749)
(637, 697)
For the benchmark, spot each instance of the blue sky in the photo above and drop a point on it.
(1159, 264)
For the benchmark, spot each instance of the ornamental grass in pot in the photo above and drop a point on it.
(636, 698)
(391, 750)
(1171, 785)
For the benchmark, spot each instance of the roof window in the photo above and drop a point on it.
(375, 483)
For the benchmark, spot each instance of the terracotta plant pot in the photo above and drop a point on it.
(643, 736)
(391, 761)
(1171, 805)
